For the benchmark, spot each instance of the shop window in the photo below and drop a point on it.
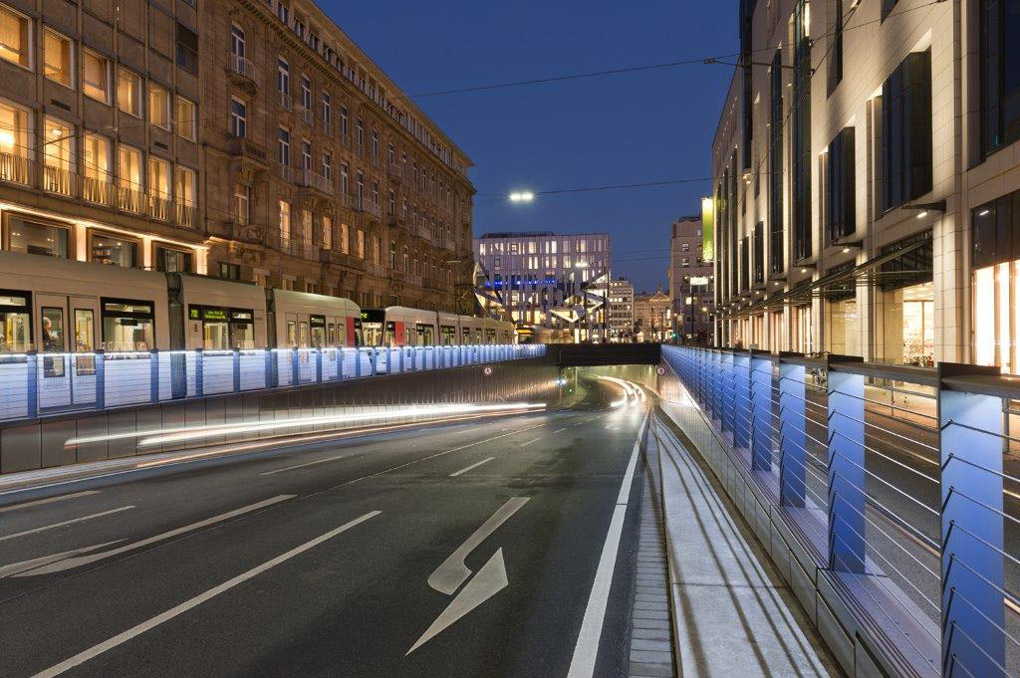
(128, 325)
(32, 237)
(114, 251)
(129, 92)
(169, 260)
(907, 131)
(15, 42)
(96, 76)
(57, 54)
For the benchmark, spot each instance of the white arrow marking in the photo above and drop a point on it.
(489, 581)
(61, 562)
(64, 523)
(14, 568)
(453, 572)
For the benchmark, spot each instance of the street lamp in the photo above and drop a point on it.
(522, 196)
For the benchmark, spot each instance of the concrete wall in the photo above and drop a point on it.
(41, 443)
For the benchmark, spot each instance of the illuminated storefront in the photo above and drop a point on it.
(996, 288)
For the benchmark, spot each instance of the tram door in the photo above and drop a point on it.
(66, 326)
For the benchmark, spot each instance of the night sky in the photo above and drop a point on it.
(620, 129)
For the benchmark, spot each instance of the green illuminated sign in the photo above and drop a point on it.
(708, 229)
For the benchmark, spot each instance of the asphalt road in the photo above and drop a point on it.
(458, 550)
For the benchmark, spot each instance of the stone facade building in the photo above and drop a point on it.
(653, 317)
(691, 286)
(866, 163)
(621, 310)
(247, 141)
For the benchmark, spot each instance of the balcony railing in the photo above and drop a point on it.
(186, 214)
(241, 66)
(58, 180)
(345, 140)
(285, 101)
(345, 200)
(159, 208)
(99, 191)
(297, 247)
(15, 168)
(308, 115)
(395, 171)
(362, 204)
(130, 200)
(289, 174)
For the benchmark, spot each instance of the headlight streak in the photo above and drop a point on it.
(631, 392)
(153, 437)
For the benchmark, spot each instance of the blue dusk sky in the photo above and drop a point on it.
(649, 126)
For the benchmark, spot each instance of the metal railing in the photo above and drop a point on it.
(131, 200)
(241, 66)
(99, 191)
(58, 180)
(16, 168)
(900, 479)
(317, 181)
(36, 384)
(363, 204)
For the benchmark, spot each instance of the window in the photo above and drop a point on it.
(14, 144)
(283, 146)
(35, 237)
(360, 125)
(237, 41)
(907, 131)
(159, 188)
(283, 76)
(113, 251)
(1000, 74)
(128, 325)
(801, 142)
(169, 260)
(887, 7)
(840, 203)
(57, 51)
(185, 195)
(996, 228)
(187, 119)
(343, 120)
(238, 118)
(96, 76)
(836, 58)
(57, 156)
(375, 143)
(129, 92)
(242, 204)
(229, 271)
(15, 45)
(129, 178)
(776, 124)
(98, 170)
(187, 49)
(285, 221)
(306, 93)
(345, 188)
(327, 167)
(159, 106)
(327, 112)
(327, 233)
(361, 244)
(345, 243)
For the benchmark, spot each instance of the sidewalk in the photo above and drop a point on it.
(734, 616)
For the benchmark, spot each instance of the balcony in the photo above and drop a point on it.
(244, 231)
(238, 65)
(345, 141)
(374, 160)
(339, 258)
(58, 180)
(99, 191)
(395, 171)
(375, 269)
(16, 168)
(297, 247)
(289, 174)
(308, 115)
(159, 208)
(247, 149)
(285, 101)
(130, 200)
(315, 180)
(186, 214)
(363, 204)
(345, 200)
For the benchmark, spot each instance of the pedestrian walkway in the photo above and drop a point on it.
(735, 616)
(651, 636)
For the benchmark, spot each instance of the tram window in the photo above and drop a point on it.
(84, 332)
(332, 335)
(242, 330)
(303, 338)
(427, 335)
(318, 331)
(128, 326)
(15, 323)
(216, 335)
(291, 333)
(449, 335)
(391, 333)
(53, 340)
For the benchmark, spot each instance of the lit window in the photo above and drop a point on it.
(57, 53)
(14, 37)
(129, 178)
(285, 221)
(98, 169)
(159, 188)
(129, 91)
(159, 106)
(14, 151)
(187, 119)
(96, 76)
(57, 156)
(242, 204)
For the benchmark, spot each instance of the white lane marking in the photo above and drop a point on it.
(559, 430)
(69, 563)
(433, 456)
(582, 665)
(472, 466)
(489, 581)
(40, 502)
(139, 629)
(65, 522)
(306, 464)
(534, 440)
(36, 562)
(453, 572)
(579, 423)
